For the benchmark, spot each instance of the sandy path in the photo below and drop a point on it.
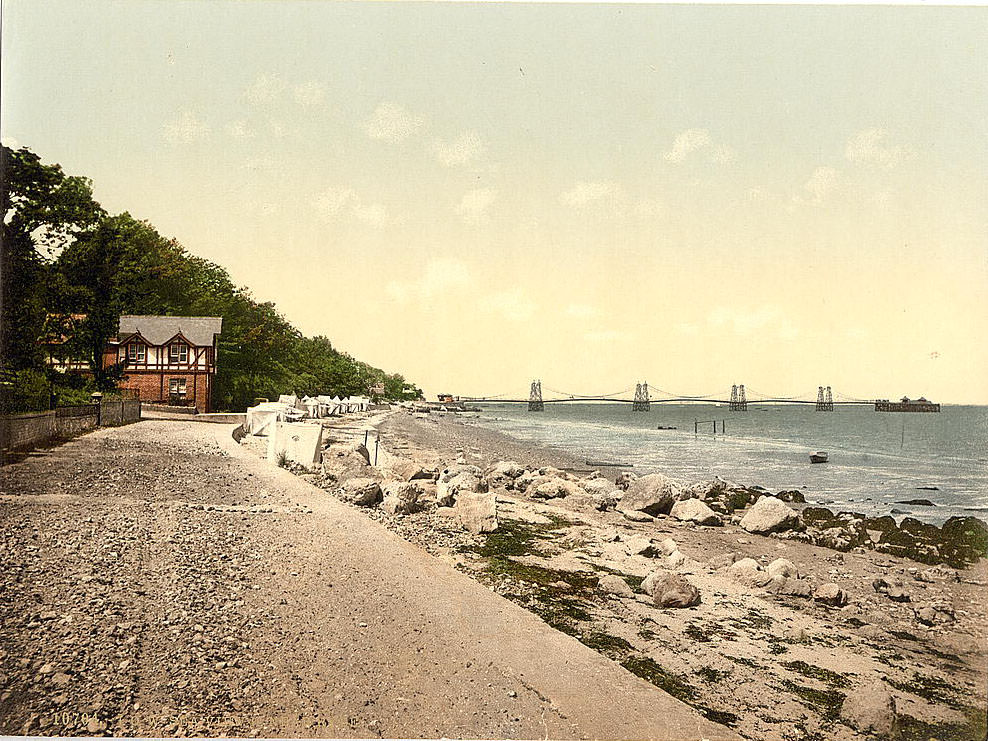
(158, 580)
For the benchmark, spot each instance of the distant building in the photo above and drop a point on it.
(61, 329)
(167, 359)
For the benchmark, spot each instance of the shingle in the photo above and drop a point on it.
(199, 330)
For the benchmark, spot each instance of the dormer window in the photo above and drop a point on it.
(178, 353)
(136, 352)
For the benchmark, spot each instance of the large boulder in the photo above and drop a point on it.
(640, 546)
(446, 491)
(830, 594)
(670, 590)
(554, 488)
(749, 571)
(653, 494)
(625, 479)
(408, 470)
(769, 515)
(613, 584)
(789, 585)
(693, 510)
(361, 491)
(783, 566)
(503, 474)
(477, 512)
(870, 708)
(400, 498)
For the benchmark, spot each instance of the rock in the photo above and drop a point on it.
(400, 498)
(917, 502)
(600, 486)
(693, 510)
(607, 500)
(937, 573)
(668, 546)
(635, 516)
(897, 594)
(446, 491)
(830, 594)
(361, 491)
(653, 494)
(456, 469)
(769, 515)
(613, 584)
(786, 585)
(783, 566)
(791, 495)
(408, 470)
(503, 474)
(625, 479)
(870, 708)
(934, 613)
(749, 571)
(555, 488)
(723, 561)
(477, 512)
(707, 489)
(675, 559)
(640, 546)
(670, 590)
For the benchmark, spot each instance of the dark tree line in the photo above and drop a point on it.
(68, 269)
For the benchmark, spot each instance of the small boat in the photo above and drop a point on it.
(818, 457)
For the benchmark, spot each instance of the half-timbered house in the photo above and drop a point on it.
(168, 359)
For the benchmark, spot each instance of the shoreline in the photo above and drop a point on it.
(763, 664)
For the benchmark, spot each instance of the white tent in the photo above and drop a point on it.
(261, 416)
(312, 407)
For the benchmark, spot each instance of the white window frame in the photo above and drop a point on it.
(137, 352)
(175, 352)
(177, 386)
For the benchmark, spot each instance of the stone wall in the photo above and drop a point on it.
(28, 430)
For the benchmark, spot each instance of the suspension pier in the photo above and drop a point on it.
(641, 402)
(535, 403)
(824, 399)
(739, 401)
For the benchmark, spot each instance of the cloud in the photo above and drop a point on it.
(440, 277)
(474, 205)
(600, 194)
(698, 140)
(582, 311)
(309, 94)
(465, 149)
(392, 123)
(185, 129)
(584, 193)
(872, 147)
(765, 319)
(265, 89)
(345, 203)
(822, 182)
(512, 305)
(240, 130)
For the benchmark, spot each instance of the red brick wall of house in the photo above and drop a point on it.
(153, 387)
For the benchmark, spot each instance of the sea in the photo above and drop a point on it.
(877, 460)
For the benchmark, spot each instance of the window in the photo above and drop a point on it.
(136, 352)
(178, 353)
(176, 387)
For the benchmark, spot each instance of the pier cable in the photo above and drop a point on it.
(587, 396)
(810, 395)
(681, 396)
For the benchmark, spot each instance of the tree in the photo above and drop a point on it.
(44, 211)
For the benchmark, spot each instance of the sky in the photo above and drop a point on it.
(596, 195)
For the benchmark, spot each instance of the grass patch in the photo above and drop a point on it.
(903, 635)
(743, 661)
(776, 647)
(648, 670)
(704, 632)
(648, 635)
(753, 619)
(834, 679)
(973, 729)
(827, 702)
(710, 674)
(610, 646)
(930, 688)
(517, 538)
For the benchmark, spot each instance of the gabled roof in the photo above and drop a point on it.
(199, 330)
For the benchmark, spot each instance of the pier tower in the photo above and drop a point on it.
(824, 399)
(641, 402)
(739, 401)
(535, 403)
